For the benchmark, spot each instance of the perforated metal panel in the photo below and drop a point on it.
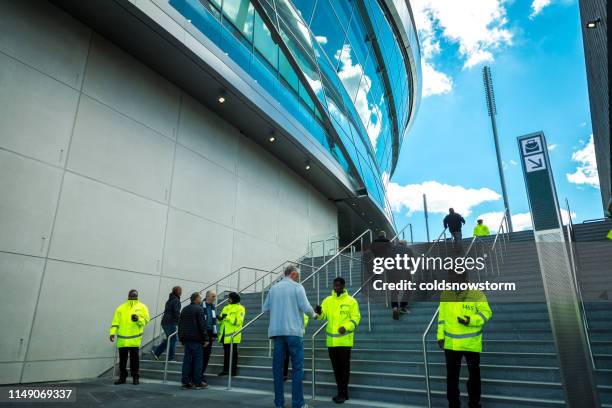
(566, 320)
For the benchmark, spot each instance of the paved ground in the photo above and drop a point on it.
(102, 393)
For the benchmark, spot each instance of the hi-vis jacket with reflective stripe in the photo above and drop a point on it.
(129, 333)
(456, 336)
(340, 311)
(231, 323)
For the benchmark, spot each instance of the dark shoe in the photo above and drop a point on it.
(187, 386)
(395, 316)
(201, 386)
(285, 377)
(234, 373)
(155, 356)
(135, 381)
(338, 399)
(120, 381)
(222, 373)
(403, 310)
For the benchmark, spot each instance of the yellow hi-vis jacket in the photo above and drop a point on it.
(609, 236)
(305, 322)
(481, 230)
(129, 333)
(231, 323)
(340, 311)
(456, 336)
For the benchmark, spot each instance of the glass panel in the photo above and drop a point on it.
(287, 72)
(327, 30)
(305, 9)
(240, 13)
(264, 43)
(343, 9)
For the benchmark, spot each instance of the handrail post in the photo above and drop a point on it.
(115, 360)
(231, 356)
(425, 362)
(167, 352)
(312, 367)
(369, 311)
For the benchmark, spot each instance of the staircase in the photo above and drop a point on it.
(519, 367)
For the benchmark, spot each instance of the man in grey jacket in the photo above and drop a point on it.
(287, 304)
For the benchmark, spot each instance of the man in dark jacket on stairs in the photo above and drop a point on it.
(192, 334)
(454, 222)
(170, 319)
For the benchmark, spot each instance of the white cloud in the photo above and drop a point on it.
(440, 197)
(537, 6)
(520, 221)
(586, 171)
(552, 147)
(321, 39)
(358, 85)
(434, 82)
(478, 27)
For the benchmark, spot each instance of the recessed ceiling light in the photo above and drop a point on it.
(221, 99)
(307, 166)
(593, 23)
(272, 139)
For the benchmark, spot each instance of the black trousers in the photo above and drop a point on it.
(341, 363)
(453, 369)
(207, 352)
(226, 356)
(134, 361)
(399, 304)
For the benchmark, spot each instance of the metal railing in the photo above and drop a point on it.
(574, 270)
(501, 238)
(315, 273)
(425, 362)
(217, 284)
(402, 233)
(313, 364)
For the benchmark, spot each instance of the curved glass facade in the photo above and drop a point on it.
(337, 66)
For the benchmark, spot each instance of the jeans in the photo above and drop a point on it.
(295, 346)
(341, 363)
(161, 348)
(453, 368)
(192, 363)
(134, 362)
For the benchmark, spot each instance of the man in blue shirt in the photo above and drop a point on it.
(287, 304)
(211, 327)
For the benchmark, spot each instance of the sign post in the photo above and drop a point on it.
(566, 321)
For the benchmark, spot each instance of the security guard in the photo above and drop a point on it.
(481, 230)
(462, 317)
(609, 236)
(342, 314)
(231, 319)
(128, 325)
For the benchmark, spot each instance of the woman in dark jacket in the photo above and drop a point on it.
(169, 323)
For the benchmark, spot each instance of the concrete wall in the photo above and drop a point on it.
(111, 178)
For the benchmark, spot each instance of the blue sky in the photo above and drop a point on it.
(534, 49)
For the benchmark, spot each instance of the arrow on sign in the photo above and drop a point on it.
(536, 164)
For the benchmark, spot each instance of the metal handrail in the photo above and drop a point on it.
(426, 365)
(316, 272)
(574, 270)
(312, 365)
(402, 231)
